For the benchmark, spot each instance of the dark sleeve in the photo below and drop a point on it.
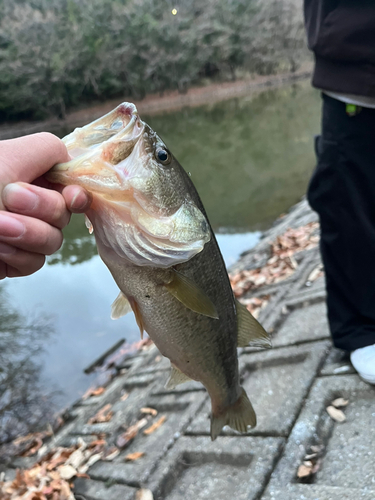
(341, 30)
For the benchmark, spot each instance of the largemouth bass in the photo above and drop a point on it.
(153, 234)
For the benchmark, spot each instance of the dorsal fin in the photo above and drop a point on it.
(249, 331)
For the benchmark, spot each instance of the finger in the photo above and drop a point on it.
(77, 199)
(44, 204)
(17, 262)
(29, 234)
(26, 158)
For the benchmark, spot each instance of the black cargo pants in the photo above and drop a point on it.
(342, 192)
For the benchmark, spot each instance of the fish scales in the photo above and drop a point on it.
(198, 345)
(153, 234)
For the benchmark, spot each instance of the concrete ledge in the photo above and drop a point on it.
(348, 460)
(198, 469)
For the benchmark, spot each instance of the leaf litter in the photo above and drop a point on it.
(50, 478)
(131, 457)
(312, 460)
(105, 414)
(281, 264)
(130, 433)
(334, 411)
(149, 411)
(155, 425)
(311, 463)
(93, 391)
(336, 414)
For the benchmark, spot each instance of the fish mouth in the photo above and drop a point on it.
(97, 148)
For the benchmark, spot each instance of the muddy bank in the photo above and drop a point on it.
(154, 104)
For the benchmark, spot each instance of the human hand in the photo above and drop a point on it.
(32, 215)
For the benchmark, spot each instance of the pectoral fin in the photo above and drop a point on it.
(176, 377)
(120, 306)
(186, 291)
(250, 332)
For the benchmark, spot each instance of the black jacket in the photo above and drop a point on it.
(341, 33)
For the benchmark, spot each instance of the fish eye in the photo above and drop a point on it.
(163, 156)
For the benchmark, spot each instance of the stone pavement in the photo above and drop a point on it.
(290, 387)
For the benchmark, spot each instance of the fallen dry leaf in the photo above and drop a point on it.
(111, 454)
(76, 459)
(304, 471)
(340, 402)
(93, 391)
(314, 275)
(124, 439)
(67, 471)
(149, 411)
(144, 495)
(60, 456)
(103, 415)
(336, 414)
(38, 443)
(97, 443)
(155, 425)
(131, 457)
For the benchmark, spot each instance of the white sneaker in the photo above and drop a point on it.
(363, 361)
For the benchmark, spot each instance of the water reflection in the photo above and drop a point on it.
(250, 158)
(24, 403)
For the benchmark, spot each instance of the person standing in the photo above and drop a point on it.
(341, 33)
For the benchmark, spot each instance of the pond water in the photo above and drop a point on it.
(250, 159)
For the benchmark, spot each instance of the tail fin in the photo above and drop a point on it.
(238, 416)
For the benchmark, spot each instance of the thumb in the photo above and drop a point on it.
(26, 158)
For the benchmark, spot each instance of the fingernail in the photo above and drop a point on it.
(10, 227)
(79, 201)
(17, 197)
(6, 249)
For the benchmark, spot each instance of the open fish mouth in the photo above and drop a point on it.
(97, 147)
(136, 211)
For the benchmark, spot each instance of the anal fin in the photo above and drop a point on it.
(176, 377)
(249, 331)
